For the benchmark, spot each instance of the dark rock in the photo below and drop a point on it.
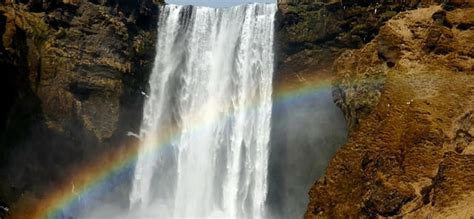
(73, 72)
(386, 201)
(330, 27)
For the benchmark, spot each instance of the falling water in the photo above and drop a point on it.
(206, 121)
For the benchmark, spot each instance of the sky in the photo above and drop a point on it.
(216, 3)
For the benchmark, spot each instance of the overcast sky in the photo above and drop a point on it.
(216, 3)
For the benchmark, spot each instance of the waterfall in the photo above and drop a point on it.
(206, 121)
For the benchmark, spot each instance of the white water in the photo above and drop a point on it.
(210, 91)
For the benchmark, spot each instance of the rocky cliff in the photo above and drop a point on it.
(74, 73)
(408, 98)
(315, 32)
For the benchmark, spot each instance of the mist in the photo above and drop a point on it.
(306, 132)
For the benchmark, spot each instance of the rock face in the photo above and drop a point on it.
(73, 77)
(74, 72)
(408, 97)
(314, 33)
(405, 88)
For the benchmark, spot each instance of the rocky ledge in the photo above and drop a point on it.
(74, 73)
(408, 97)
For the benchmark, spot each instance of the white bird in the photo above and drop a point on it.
(134, 135)
(144, 94)
(73, 191)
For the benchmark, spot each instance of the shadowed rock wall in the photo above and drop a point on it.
(315, 32)
(73, 76)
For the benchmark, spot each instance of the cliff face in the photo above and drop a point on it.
(404, 84)
(74, 72)
(408, 96)
(73, 76)
(314, 33)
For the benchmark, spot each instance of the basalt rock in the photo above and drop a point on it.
(408, 96)
(73, 76)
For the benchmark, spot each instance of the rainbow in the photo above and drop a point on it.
(91, 181)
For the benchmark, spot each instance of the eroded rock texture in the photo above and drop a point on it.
(408, 96)
(73, 76)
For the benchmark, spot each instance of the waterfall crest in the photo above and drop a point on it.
(206, 120)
